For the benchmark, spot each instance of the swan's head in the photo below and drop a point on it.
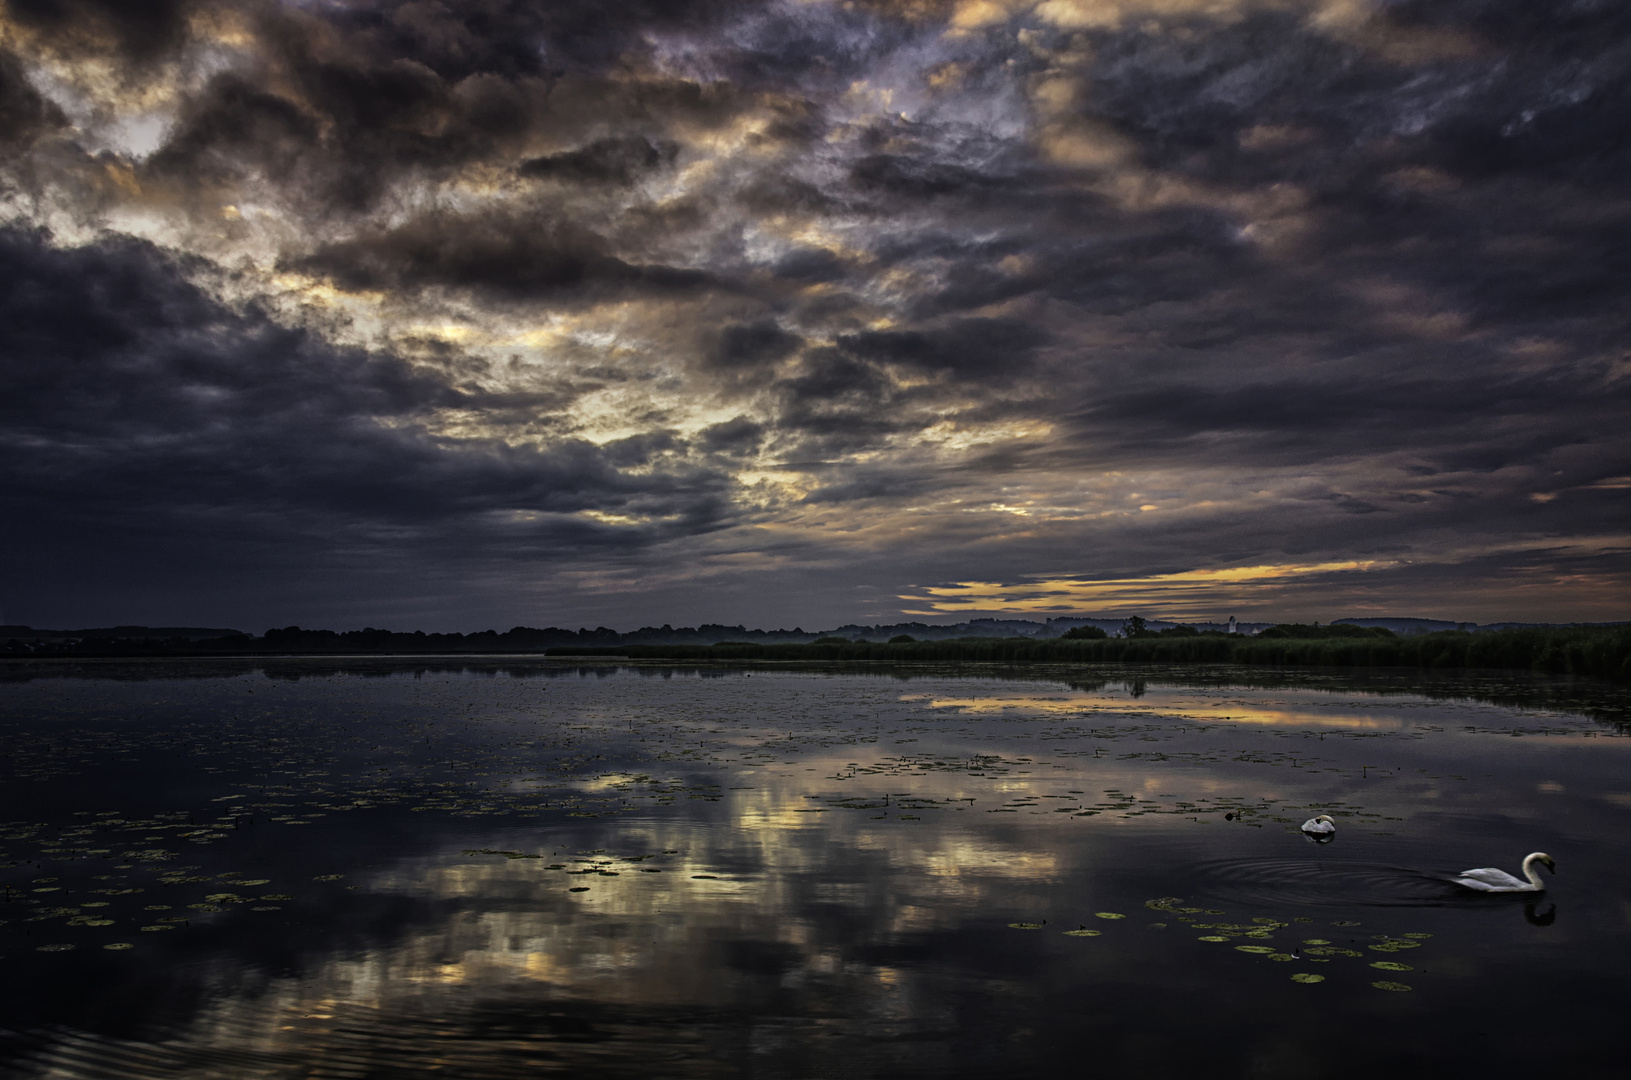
(1327, 818)
(1544, 859)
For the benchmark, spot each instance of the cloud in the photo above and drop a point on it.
(606, 307)
(502, 256)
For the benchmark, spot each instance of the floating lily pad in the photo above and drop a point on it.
(1281, 956)
(1108, 915)
(1084, 933)
(118, 946)
(1397, 987)
(1262, 949)
(152, 928)
(328, 877)
(1315, 941)
(1212, 937)
(1389, 965)
(1418, 936)
(1307, 977)
(1025, 925)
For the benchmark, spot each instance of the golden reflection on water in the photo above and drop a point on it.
(1165, 707)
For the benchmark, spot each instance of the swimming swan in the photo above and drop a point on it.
(1489, 879)
(1320, 826)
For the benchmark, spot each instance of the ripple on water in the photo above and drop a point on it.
(493, 1039)
(1320, 883)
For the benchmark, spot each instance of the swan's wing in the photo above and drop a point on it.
(1489, 878)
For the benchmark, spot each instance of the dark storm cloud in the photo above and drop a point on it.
(506, 258)
(339, 104)
(137, 29)
(974, 349)
(613, 160)
(1105, 290)
(24, 113)
(753, 345)
(132, 402)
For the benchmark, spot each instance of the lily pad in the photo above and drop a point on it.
(1025, 925)
(1389, 965)
(1212, 937)
(1084, 933)
(1307, 977)
(1261, 949)
(1397, 987)
(118, 946)
(1108, 915)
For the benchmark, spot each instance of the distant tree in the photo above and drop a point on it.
(830, 639)
(1134, 627)
(902, 639)
(1084, 633)
(1179, 631)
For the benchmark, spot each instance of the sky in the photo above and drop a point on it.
(455, 315)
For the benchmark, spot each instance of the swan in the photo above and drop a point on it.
(1322, 826)
(1490, 879)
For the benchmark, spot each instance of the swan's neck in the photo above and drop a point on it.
(1531, 873)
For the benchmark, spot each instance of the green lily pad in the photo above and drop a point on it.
(1025, 925)
(1315, 941)
(1084, 933)
(1212, 937)
(1397, 987)
(118, 946)
(1108, 915)
(1260, 949)
(1389, 965)
(1307, 977)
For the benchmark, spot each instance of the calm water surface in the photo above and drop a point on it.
(493, 869)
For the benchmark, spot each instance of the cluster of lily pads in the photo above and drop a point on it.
(1315, 950)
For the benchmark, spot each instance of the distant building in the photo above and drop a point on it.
(1233, 629)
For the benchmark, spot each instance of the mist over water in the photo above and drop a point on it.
(394, 869)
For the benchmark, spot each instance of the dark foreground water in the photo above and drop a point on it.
(403, 869)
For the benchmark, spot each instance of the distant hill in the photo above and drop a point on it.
(1407, 626)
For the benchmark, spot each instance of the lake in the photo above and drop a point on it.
(502, 867)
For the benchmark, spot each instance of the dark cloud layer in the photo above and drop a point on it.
(774, 311)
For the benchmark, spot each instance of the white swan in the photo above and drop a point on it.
(1320, 826)
(1490, 879)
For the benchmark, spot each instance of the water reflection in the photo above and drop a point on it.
(610, 871)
